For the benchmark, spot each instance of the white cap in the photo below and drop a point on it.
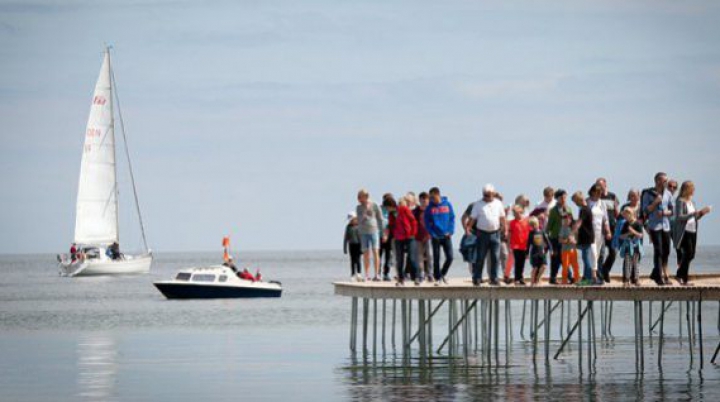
(488, 188)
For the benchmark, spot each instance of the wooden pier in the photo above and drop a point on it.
(474, 317)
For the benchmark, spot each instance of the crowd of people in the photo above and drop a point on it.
(415, 233)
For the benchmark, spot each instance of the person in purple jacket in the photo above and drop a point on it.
(440, 223)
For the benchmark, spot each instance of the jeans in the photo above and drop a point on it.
(488, 242)
(355, 254)
(555, 259)
(519, 257)
(446, 244)
(661, 251)
(386, 252)
(405, 250)
(631, 272)
(423, 257)
(686, 253)
(587, 258)
(607, 257)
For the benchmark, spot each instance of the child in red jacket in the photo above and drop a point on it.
(404, 232)
(518, 231)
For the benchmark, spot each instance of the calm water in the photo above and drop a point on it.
(119, 339)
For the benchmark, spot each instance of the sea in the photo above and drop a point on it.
(119, 339)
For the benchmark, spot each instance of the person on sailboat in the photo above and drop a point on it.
(114, 251)
(73, 253)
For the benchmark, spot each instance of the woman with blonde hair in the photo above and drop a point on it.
(370, 226)
(685, 229)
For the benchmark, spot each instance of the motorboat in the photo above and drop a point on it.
(215, 282)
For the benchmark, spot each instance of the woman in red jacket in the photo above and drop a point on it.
(404, 232)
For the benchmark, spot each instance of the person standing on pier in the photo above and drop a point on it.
(370, 226)
(685, 228)
(518, 232)
(657, 209)
(538, 246)
(585, 240)
(600, 227)
(631, 234)
(422, 239)
(351, 244)
(405, 231)
(387, 242)
(606, 259)
(488, 217)
(440, 223)
(554, 224)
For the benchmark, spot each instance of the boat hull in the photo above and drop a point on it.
(130, 266)
(197, 291)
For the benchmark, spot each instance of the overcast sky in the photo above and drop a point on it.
(262, 119)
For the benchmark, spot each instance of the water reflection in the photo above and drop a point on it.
(398, 378)
(97, 367)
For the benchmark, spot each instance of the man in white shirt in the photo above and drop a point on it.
(488, 220)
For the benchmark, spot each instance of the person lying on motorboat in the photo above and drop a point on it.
(245, 274)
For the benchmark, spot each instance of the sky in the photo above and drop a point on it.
(262, 119)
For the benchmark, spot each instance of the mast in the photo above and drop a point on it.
(127, 154)
(114, 149)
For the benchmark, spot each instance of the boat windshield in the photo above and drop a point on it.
(203, 278)
(183, 276)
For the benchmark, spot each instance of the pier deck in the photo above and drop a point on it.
(704, 287)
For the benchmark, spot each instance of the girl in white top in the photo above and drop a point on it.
(600, 225)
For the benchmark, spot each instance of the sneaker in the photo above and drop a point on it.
(444, 280)
(475, 282)
(386, 278)
(417, 282)
(507, 280)
(437, 283)
(584, 282)
(520, 282)
(400, 283)
(495, 283)
(553, 281)
(626, 283)
(599, 282)
(606, 277)
(430, 279)
(376, 279)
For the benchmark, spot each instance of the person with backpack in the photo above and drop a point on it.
(685, 229)
(657, 208)
(554, 224)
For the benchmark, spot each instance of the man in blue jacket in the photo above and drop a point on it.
(440, 223)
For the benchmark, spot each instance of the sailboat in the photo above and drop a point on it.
(95, 250)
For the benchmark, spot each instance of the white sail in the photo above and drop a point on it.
(96, 220)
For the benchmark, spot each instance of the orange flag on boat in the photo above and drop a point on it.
(226, 248)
